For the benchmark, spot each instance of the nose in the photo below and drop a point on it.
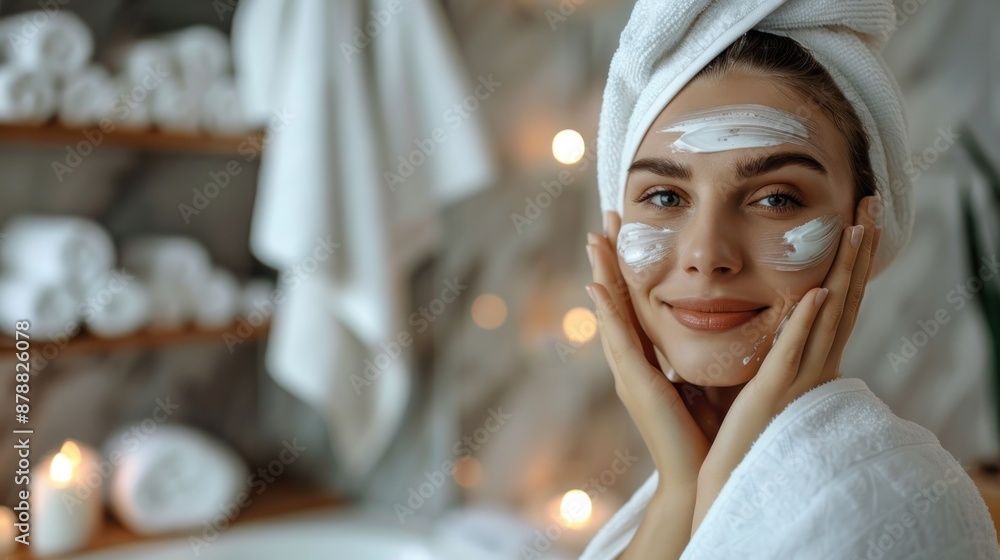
(708, 247)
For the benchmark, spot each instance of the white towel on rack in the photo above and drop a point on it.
(55, 40)
(172, 479)
(202, 54)
(63, 250)
(50, 308)
(87, 96)
(323, 199)
(27, 95)
(221, 108)
(115, 305)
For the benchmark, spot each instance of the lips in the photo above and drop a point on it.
(713, 315)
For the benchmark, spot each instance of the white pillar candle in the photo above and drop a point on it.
(66, 505)
(7, 530)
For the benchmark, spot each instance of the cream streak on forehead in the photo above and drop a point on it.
(734, 127)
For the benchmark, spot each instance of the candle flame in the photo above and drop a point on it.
(72, 452)
(575, 508)
(61, 469)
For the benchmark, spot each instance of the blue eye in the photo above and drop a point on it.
(662, 198)
(777, 201)
(781, 201)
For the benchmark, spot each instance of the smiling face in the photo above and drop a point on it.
(733, 208)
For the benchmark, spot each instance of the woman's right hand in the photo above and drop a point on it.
(675, 441)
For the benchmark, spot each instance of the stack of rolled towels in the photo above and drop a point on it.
(59, 272)
(180, 82)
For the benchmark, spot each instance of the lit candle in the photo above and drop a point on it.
(65, 501)
(7, 530)
(578, 518)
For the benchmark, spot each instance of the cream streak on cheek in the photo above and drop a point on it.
(802, 247)
(642, 245)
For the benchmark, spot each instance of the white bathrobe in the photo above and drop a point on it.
(835, 475)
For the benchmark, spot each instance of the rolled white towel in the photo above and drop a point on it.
(169, 306)
(257, 297)
(174, 268)
(218, 300)
(51, 309)
(27, 95)
(174, 478)
(58, 41)
(87, 96)
(221, 109)
(166, 259)
(176, 107)
(147, 57)
(54, 250)
(115, 304)
(132, 105)
(202, 55)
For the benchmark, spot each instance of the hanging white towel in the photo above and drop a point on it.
(324, 202)
(835, 475)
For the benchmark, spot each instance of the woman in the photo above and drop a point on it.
(747, 186)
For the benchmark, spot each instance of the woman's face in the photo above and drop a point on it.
(730, 225)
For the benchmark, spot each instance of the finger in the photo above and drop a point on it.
(606, 272)
(859, 280)
(780, 369)
(631, 368)
(613, 224)
(838, 281)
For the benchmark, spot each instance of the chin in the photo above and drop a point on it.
(714, 361)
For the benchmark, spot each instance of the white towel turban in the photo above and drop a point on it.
(666, 43)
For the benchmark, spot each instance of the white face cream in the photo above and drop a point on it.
(734, 127)
(802, 247)
(643, 245)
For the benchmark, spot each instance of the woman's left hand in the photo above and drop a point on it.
(807, 353)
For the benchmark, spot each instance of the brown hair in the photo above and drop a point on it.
(783, 58)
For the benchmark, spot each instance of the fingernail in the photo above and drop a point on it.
(875, 207)
(856, 234)
(821, 296)
(593, 238)
(590, 255)
(590, 292)
(604, 222)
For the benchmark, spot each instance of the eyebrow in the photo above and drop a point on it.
(744, 168)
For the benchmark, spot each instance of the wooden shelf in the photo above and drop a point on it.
(274, 503)
(89, 343)
(152, 140)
